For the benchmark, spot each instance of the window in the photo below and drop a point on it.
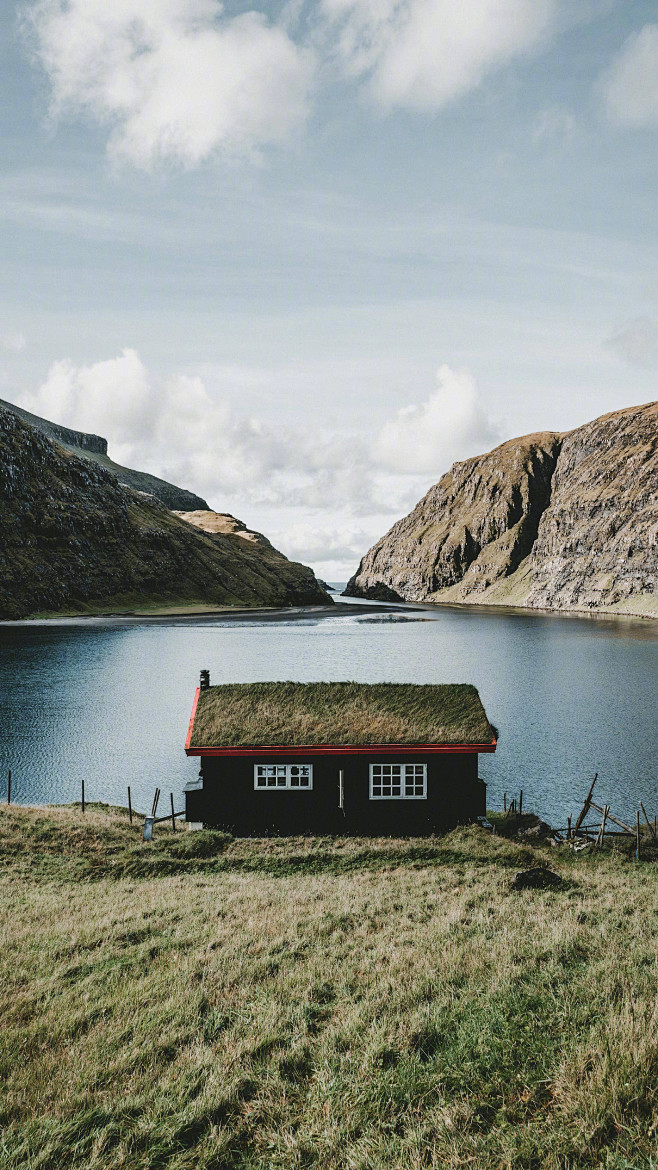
(271, 776)
(398, 781)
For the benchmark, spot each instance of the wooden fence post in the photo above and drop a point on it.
(569, 827)
(130, 807)
(585, 808)
(637, 836)
(504, 802)
(9, 787)
(173, 815)
(649, 825)
(599, 839)
(83, 794)
(520, 804)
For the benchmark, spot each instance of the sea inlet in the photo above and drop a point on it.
(108, 700)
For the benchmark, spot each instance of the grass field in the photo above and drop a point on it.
(207, 1003)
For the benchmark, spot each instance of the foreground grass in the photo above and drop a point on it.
(383, 1004)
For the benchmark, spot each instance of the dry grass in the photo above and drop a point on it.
(241, 714)
(320, 1003)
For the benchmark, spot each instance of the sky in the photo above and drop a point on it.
(300, 256)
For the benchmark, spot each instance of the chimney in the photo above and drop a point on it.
(204, 681)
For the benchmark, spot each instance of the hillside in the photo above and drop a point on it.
(73, 540)
(549, 521)
(223, 524)
(204, 1003)
(94, 448)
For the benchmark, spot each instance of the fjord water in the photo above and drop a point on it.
(108, 700)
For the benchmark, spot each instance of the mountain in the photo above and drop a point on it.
(548, 521)
(73, 539)
(93, 447)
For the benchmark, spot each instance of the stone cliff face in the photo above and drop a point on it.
(476, 525)
(547, 521)
(597, 544)
(72, 539)
(94, 447)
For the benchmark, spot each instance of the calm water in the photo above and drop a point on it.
(109, 700)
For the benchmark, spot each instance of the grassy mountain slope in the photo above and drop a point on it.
(73, 540)
(94, 448)
(206, 1004)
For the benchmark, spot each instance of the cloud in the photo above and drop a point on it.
(114, 393)
(431, 436)
(336, 491)
(636, 342)
(425, 53)
(326, 543)
(174, 80)
(630, 85)
(14, 342)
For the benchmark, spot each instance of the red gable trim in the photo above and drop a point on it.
(389, 749)
(192, 718)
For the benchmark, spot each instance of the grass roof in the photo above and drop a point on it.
(313, 714)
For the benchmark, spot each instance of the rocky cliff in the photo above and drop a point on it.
(550, 521)
(73, 540)
(94, 447)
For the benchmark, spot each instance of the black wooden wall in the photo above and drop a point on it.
(229, 801)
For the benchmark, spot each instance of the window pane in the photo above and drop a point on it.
(398, 781)
(283, 776)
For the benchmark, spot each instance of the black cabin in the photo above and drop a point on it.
(284, 758)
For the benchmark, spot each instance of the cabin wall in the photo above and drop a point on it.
(225, 797)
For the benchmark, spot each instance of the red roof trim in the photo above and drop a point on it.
(390, 749)
(192, 718)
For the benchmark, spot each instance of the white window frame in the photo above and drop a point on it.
(282, 772)
(402, 776)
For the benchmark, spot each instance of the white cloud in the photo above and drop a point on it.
(636, 342)
(425, 53)
(341, 543)
(630, 85)
(173, 79)
(14, 342)
(335, 491)
(431, 436)
(113, 395)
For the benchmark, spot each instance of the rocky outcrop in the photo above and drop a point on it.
(223, 524)
(597, 544)
(546, 521)
(476, 525)
(74, 540)
(94, 447)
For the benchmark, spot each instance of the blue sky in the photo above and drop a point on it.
(302, 256)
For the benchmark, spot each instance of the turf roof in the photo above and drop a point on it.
(342, 713)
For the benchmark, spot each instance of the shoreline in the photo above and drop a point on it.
(493, 607)
(344, 605)
(194, 612)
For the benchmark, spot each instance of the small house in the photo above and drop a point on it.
(283, 758)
